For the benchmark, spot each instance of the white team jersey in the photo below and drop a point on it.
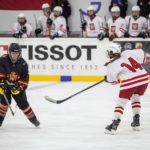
(128, 68)
(117, 27)
(136, 26)
(42, 24)
(17, 28)
(59, 26)
(95, 26)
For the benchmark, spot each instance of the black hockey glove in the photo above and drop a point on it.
(113, 83)
(83, 25)
(101, 36)
(112, 37)
(24, 29)
(38, 31)
(126, 34)
(49, 21)
(55, 35)
(17, 35)
(105, 78)
(143, 35)
(17, 88)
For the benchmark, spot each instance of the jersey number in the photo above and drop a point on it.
(134, 65)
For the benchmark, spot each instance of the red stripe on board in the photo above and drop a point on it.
(4, 47)
(22, 5)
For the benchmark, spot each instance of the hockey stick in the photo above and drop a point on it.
(65, 99)
(12, 112)
(49, 27)
(82, 19)
(106, 27)
(36, 23)
(128, 27)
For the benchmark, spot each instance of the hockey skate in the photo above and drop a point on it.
(34, 121)
(111, 129)
(136, 123)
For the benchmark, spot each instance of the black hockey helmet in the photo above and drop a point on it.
(14, 47)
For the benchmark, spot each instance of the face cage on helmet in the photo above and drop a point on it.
(57, 13)
(115, 14)
(47, 11)
(91, 12)
(135, 14)
(111, 55)
(108, 54)
(10, 56)
(22, 21)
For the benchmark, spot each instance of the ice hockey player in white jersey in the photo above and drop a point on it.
(94, 26)
(44, 22)
(127, 68)
(59, 27)
(136, 25)
(22, 29)
(116, 25)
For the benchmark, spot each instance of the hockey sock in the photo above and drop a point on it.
(3, 111)
(119, 109)
(28, 112)
(136, 104)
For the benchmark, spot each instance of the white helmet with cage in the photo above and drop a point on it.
(115, 9)
(58, 9)
(135, 8)
(45, 5)
(90, 8)
(91, 11)
(21, 15)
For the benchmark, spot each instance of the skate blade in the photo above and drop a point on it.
(113, 132)
(136, 128)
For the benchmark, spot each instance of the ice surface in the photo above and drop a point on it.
(77, 124)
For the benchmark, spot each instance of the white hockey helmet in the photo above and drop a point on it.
(90, 8)
(58, 8)
(115, 9)
(45, 5)
(21, 15)
(113, 50)
(135, 8)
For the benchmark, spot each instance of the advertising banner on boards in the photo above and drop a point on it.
(62, 57)
(69, 59)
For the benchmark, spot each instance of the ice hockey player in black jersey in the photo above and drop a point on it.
(14, 78)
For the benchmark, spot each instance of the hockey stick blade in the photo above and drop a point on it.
(53, 101)
(65, 99)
